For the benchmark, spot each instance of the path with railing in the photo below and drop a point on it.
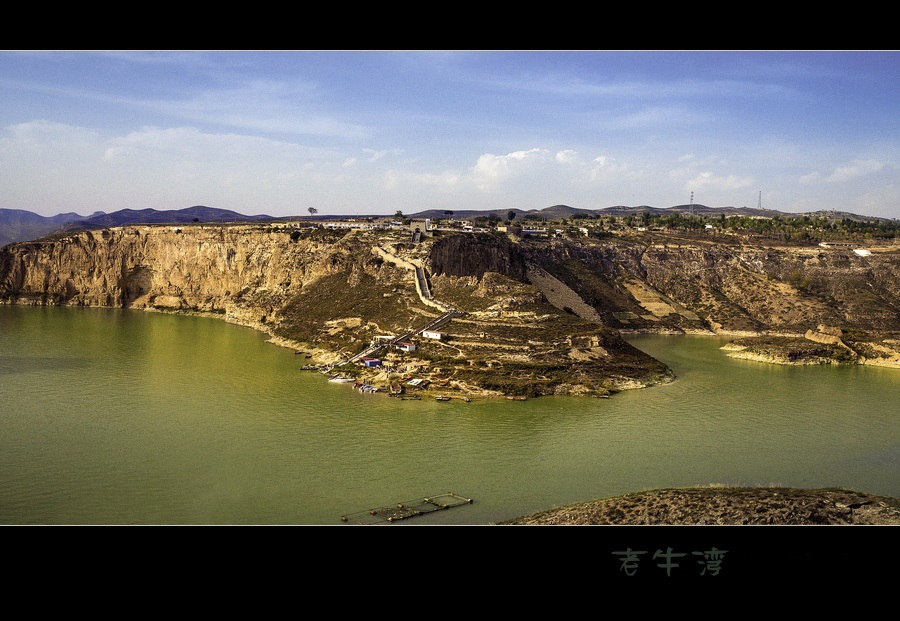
(425, 294)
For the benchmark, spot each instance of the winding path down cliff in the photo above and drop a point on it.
(418, 277)
(424, 295)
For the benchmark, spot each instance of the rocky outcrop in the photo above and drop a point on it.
(474, 255)
(720, 505)
(243, 273)
(644, 283)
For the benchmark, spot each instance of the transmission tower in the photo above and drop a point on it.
(692, 203)
(759, 202)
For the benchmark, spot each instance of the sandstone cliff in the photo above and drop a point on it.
(242, 273)
(787, 297)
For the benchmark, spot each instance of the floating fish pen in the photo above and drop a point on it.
(406, 510)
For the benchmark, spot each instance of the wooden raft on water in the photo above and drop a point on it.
(407, 509)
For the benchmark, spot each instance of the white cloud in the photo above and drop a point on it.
(395, 179)
(53, 163)
(47, 135)
(184, 142)
(812, 177)
(879, 201)
(154, 141)
(711, 181)
(374, 156)
(491, 169)
(845, 172)
(290, 107)
(573, 169)
(851, 170)
(653, 117)
(607, 169)
(567, 157)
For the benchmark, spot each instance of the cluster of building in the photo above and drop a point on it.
(405, 346)
(426, 227)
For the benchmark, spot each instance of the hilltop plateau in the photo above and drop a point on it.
(506, 311)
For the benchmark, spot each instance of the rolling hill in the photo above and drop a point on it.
(19, 225)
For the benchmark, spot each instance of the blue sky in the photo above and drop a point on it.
(373, 132)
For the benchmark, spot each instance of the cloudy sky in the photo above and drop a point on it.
(373, 132)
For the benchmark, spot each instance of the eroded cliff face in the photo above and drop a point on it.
(639, 284)
(475, 255)
(241, 272)
(249, 272)
(782, 296)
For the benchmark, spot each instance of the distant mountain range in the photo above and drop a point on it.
(20, 225)
(558, 212)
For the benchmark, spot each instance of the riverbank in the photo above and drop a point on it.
(821, 346)
(811, 348)
(735, 506)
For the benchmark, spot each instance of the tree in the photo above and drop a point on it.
(511, 216)
(313, 211)
(448, 213)
(399, 215)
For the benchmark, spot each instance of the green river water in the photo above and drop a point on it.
(125, 417)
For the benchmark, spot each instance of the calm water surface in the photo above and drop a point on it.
(125, 417)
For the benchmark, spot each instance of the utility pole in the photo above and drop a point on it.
(692, 203)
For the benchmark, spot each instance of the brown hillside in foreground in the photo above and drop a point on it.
(736, 506)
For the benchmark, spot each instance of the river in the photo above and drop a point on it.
(111, 416)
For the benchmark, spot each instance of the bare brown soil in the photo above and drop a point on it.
(725, 506)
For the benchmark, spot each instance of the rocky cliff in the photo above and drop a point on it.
(639, 282)
(242, 273)
(784, 297)
(537, 316)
